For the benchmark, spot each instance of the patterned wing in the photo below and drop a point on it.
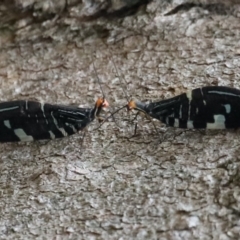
(29, 120)
(212, 107)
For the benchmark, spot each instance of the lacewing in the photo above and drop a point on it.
(211, 107)
(31, 120)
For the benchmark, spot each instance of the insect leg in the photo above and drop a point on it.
(111, 115)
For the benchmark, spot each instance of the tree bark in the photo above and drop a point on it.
(120, 180)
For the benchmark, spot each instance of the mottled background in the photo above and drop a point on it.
(115, 184)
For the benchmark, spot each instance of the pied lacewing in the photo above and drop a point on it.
(211, 107)
(31, 120)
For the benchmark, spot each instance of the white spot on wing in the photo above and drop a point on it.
(7, 124)
(74, 129)
(54, 120)
(180, 111)
(22, 135)
(42, 108)
(8, 109)
(72, 112)
(71, 126)
(228, 108)
(52, 136)
(189, 95)
(225, 93)
(167, 120)
(190, 124)
(176, 123)
(219, 122)
(62, 130)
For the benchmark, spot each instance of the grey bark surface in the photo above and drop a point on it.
(175, 184)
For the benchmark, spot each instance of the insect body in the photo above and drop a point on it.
(30, 120)
(213, 107)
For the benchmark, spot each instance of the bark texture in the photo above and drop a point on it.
(116, 185)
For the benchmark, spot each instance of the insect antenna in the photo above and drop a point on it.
(111, 114)
(95, 71)
(122, 78)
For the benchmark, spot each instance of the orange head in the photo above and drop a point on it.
(131, 105)
(101, 103)
(136, 105)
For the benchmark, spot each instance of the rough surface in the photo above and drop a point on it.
(112, 185)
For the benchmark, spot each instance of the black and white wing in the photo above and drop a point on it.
(30, 120)
(213, 107)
